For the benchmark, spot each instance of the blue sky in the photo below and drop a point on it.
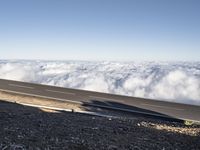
(124, 30)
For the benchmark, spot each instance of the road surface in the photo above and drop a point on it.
(131, 104)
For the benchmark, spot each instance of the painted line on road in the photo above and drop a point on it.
(159, 106)
(103, 98)
(68, 93)
(21, 86)
(40, 96)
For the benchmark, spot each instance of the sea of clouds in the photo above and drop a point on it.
(170, 81)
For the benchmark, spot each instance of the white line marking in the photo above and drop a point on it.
(68, 93)
(103, 98)
(162, 106)
(21, 86)
(48, 97)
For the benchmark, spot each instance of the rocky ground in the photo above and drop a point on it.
(23, 127)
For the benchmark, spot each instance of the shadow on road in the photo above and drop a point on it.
(123, 108)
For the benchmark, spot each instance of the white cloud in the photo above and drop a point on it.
(177, 85)
(179, 82)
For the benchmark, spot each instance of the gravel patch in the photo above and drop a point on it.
(24, 127)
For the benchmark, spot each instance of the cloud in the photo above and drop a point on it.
(178, 81)
(177, 85)
(17, 72)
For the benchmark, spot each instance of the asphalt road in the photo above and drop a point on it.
(131, 104)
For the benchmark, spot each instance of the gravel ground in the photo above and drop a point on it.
(24, 127)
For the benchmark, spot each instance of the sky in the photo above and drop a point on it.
(117, 30)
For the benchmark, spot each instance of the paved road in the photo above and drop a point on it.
(132, 104)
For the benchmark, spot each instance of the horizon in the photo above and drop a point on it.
(121, 61)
